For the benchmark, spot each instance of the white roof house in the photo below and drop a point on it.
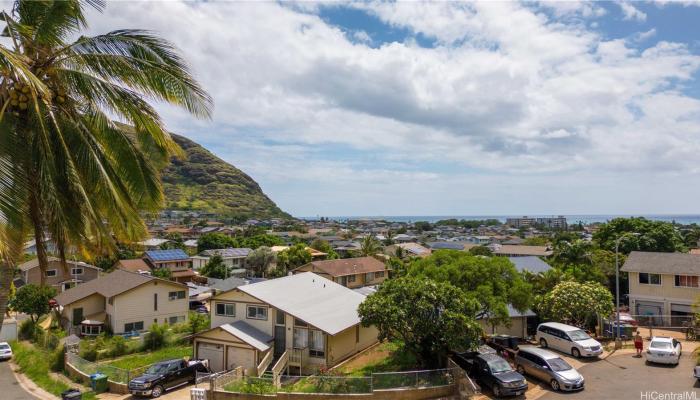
(322, 303)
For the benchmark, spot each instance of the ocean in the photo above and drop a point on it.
(685, 219)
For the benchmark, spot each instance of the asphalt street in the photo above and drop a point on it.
(9, 388)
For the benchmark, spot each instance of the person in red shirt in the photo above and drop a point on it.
(638, 344)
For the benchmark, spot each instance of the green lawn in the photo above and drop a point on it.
(138, 360)
(386, 357)
(34, 363)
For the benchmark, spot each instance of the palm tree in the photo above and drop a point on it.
(369, 246)
(67, 169)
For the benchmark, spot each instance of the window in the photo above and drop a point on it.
(357, 333)
(155, 301)
(51, 272)
(257, 312)
(226, 309)
(369, 276)
(298, 322)
(176, 319)
(686, 281)
(76, 271)
(649, 279)
(301, 338)
(279, 317)
(351, 278)
(133, 326)
(180, 294)
(317, 344)
(379, 274)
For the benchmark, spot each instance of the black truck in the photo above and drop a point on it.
(166, 375)
(492, 371)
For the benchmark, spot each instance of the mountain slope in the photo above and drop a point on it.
(204, 182)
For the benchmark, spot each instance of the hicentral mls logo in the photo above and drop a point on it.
(654, 395)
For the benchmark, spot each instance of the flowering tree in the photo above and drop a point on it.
(573, 302)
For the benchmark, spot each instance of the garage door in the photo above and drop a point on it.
(684, 308)
(240, 357)
(212, 352)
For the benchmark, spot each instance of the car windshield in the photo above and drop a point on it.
(660, 345)
(578, 335)
(4, 347)
(157, 369)
(499, 365)
(557, 365)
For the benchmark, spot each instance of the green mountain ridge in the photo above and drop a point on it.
(204, 182)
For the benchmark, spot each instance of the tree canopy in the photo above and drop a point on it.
(429, 317)
(260, 259)
(574, 302)
(33, 300)
(211, 241)
(215, 268)
(653, 235)
(291, 258)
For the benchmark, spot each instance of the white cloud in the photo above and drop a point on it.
(630, 12)
(507, 100)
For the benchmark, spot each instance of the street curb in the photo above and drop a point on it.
(29, 386)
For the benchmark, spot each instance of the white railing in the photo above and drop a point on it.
(266, 361)
(279, 366)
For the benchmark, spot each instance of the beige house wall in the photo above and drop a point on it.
(349, 342)
(517, 328)
(92, 304)
(665, 290)
(33, 275)
(241, 301)
(138, 305)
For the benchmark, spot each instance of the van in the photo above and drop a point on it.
(548, 367)
(567, 339)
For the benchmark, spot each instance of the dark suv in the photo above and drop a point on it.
(166, 375)
(492, 371)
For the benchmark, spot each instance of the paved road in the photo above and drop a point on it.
(9, 388)
(626, 377)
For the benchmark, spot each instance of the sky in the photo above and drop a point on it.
(445, 108)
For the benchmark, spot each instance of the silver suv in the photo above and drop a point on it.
(549, 367)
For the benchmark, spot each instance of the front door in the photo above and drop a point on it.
(280, 340)
(77, 316)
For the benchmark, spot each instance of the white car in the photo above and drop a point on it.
(568, 339)
(5, 351)
(664, 350)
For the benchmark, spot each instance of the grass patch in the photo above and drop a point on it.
(386, 357)
(143, 359)
(251, 386)
(35, 364)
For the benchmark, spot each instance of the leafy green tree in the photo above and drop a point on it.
(162, 273)
(83, 178)
(325, 247)
(212, 241)
(430, 318)
(215, 268)
(536, 241)
(293, 257)
(370, 246)
(574, 252)
(176, 242)
(574, 303)
(255, 241)
(260, 259)
(197, 322)
(422, 226)
(492, 281)
(33, 300)
(653, 235)
(480, 251)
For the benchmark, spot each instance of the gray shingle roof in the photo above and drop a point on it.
(530, 263)
(227, 253)
(662, 263)
(248, 334)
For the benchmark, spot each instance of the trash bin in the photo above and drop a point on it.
(71, 394)
(98, 383)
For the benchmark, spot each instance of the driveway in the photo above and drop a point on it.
(623, 377)
(9, 387)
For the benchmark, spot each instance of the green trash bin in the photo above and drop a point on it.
(98, 382)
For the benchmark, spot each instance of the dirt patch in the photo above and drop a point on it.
(371, 356)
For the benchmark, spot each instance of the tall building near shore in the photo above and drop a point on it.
(558, 222)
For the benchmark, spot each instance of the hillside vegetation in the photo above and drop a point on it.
(204, 182)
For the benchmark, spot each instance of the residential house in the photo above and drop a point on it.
(123, 301)
(76, 273)
(445, 246)
(133, 265)
(663, 286)
(176, 260)
(522, 324)
(409, 249)
(349, 272)
(304, 321)
(530, 263)
(153, 243)
(232, 257)
(519, 251)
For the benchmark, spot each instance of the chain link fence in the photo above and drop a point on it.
(114, 374)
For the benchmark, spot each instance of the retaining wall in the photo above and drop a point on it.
(393, 394)
(114, 387)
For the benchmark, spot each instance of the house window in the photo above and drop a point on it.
(298, 322)
(155, 301)
(226, 309)
(649, 279)
(180, 294)
(317, 344)
(76, 271)
(257, 312)
(301, 338)
(369, 276)
(133, 326)
(379, 274)
(176, 319)
(111, 301)
(279, 317)
(686, 281)
(351, 278)
(51, 272)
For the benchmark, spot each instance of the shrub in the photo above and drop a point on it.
(58, 357)
(156, 337)
(28, 330)
(117, 346)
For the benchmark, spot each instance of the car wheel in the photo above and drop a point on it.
(521, 370)
(497, 390)
(543, 343)
(575, 352)
(157, 391)
(554, 384)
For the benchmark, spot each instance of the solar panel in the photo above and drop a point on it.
(166, 255)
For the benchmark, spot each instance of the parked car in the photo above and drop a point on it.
(696, 373)
(5, 351)
(549, 367)
(503, 342)
(166, 375)
(664, 350)
(492, 371)
(568, 339)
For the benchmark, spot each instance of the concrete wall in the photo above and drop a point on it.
(8, 332)
(399, 394)
(138, 305)
(517, 328)
(77, 375)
